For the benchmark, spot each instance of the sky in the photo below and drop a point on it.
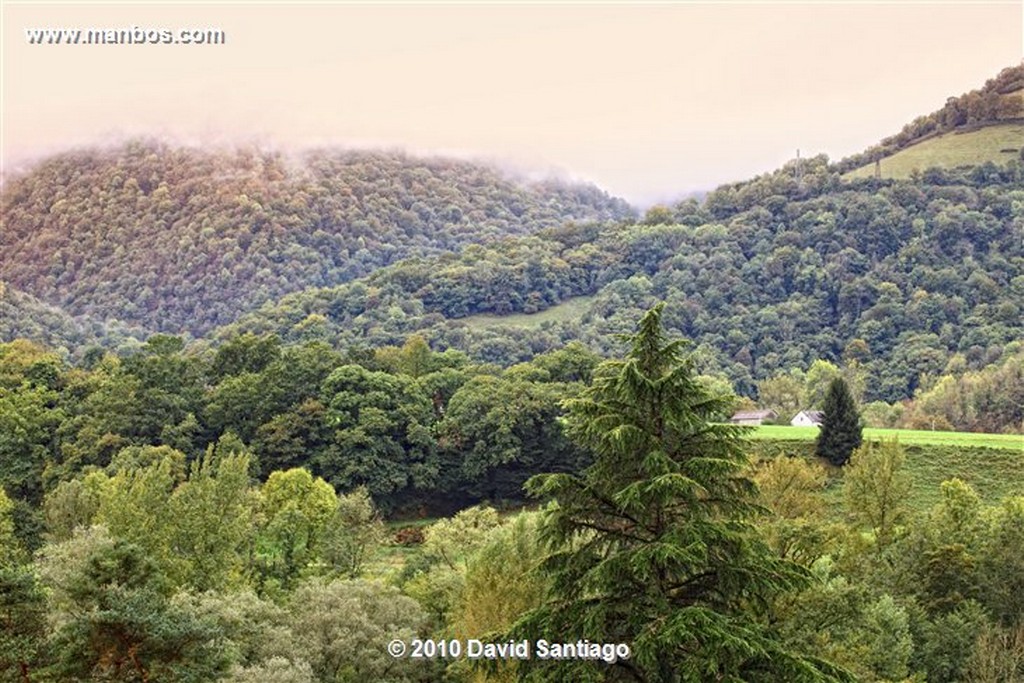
(648, 101)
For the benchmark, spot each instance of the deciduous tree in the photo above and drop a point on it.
(876, 487)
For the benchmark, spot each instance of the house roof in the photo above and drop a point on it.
(813, 414)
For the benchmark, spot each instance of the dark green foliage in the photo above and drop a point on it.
(945, 648)
(289, 439)
(124, 628)
(1002, 564)
(841, 429)
(28, 418)
(380, 432)
(499, 431)
(653, 544)
(245, 353)
(22, 623)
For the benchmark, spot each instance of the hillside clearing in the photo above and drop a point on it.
(951, 150)
(993, 464)
(570, 309)
(906, 437)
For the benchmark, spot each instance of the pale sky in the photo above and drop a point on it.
(648, 101)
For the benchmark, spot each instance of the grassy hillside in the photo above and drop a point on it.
(993, 464)
(997, 143)
(1000, 101)
(906, 437)
(994, 473)
(569, 310)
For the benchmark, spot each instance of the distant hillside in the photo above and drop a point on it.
(178, 239)
(999, 101)
(906, 278)
(997, 143)
(25, 317)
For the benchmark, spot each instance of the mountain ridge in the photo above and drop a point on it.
(177, 239)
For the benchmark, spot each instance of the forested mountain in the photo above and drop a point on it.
(177, 239)
(901, 277)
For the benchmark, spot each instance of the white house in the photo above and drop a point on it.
(752, 417)
(808, 418)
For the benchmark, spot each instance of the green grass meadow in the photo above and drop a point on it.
(906, 437)
(951, 150)
(570, 309)
(993, 464)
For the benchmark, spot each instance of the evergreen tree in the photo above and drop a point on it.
(653, 545)
(841, 428)
(123, 626)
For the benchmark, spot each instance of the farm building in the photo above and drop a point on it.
(752, 417)
(808, 418)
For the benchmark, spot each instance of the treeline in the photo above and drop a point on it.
(988, 400)
(418, 429)
(177, 239)
(909, 279)
(1000, 99)
(422, 430)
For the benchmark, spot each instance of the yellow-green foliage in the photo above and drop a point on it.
(500, 580)
(501, 584)
(875, 486)
(453, 540)
(791, 487)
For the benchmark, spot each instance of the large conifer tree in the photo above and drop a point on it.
(652, 545)
(841, 428)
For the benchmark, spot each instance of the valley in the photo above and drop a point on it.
(278, 416)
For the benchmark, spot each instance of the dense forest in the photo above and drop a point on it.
(176, 239)
(907, 280)
(23, 316)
